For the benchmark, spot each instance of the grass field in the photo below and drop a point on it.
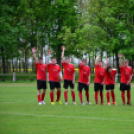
(21, 114)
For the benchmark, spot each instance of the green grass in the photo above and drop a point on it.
(21, 114)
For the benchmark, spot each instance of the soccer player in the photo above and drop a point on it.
(54, 74)
(84, 80)
(125, 82)
(109, 81)
(41, 77)
(69, 77)
(99, 79)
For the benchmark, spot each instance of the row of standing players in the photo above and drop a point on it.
(103, 75)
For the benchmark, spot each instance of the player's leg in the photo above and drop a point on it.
(86, 87)
(52, 86)
(80, 87)
(39, 91)
(66, 91)
(128, 94)
(108, 94)
(122, 88)
(101, 93)
(44, 91)
(43, 96)
(73, 96)
(71, 84)
(39, 97)
(58, 86)
(113, 95)
(96, 89)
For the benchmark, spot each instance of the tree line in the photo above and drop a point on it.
(84, 27)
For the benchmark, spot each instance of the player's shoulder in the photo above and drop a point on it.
(57, 65)
(71, 64)
(87, 67)
(129, 67)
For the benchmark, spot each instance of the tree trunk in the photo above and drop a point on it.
(41, 54)
(58, 54)
(19, 66)
(113, 60)
(117, 64)
(13, 65)
(7, 65)
(3, 65)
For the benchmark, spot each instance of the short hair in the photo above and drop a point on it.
(67, 58)
(109, 67)
(54, 59)
(40, 58)
(125, 60)
(101, 60)
(84, 59)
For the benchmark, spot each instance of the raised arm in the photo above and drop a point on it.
(120, 55)
(97, 59)
(48, 57)
(106, 63)
(34, 55)
(63, 50)
(79, 65)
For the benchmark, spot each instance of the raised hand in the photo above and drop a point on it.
(63, 48)
(120, 55)
(33, 50)
(49, 52)
(106, 60)
(98, 57)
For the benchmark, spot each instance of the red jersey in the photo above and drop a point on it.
(54, 72)
(84, 72)
(125, 74)
(68, 71)
(41, 71)
(99, 74)
(110, 76)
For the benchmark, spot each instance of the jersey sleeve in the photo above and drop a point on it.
(115, 71)
(80, 66)
(121, 68)
(73, 69)
(96, 67)
(63, 64)
(36, 65)
(131, 72)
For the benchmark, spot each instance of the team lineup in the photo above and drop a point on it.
(103, 75)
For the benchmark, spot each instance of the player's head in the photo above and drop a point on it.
(54, 61)
(84, 61)
(100, 63)
(126, 62)
(67, 60)
(109, 69)
(40, 59)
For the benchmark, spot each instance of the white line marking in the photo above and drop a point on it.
(78, 117)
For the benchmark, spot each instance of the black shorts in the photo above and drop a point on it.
(124, 87)
(41, 84)
(68, 83)
(98, 86)
(82, 85)
(109, 87)
(54, 85)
